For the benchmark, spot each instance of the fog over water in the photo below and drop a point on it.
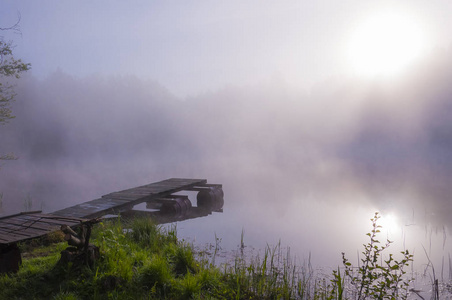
(307, 167)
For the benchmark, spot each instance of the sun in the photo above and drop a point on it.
(385, 45)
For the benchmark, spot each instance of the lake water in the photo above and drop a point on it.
(316, 231)
(311, 226)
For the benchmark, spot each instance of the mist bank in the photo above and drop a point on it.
(385, 144)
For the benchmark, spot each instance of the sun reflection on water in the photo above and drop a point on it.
(390, 224)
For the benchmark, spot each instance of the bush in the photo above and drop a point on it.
(385, 280)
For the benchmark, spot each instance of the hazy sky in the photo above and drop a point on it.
(192, 47)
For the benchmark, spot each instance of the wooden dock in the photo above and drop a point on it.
(159, 197)
(170, 208)
(125, 200)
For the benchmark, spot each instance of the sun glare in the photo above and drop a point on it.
(389, 223)
(385, 45)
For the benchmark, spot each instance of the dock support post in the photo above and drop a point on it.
(83, 252)
(10, 258)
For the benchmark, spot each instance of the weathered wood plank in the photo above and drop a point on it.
(137, 191)
(26, 226)
(21, 230)
(23, 233)
(146, 190)
(100, 207)
(18, 214)
(72, 214)
(10, 237)
(169, 184)
(29, 230)
(126, 197)
(131, 198)
(21, 225)
(56, 217)
(88, 213)
(48, 220)
(88, 208)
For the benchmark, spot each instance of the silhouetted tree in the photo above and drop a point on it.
(10, 68)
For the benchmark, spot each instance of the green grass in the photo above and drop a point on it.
(142, 261)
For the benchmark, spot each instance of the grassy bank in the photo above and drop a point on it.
(142, 261)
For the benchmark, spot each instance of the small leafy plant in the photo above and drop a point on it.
(375, 278)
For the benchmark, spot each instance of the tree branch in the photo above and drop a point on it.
(15, 28)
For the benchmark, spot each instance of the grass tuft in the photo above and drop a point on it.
(156, 276)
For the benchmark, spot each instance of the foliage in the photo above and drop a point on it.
(10, 68)
(337, 289)
(375, 279)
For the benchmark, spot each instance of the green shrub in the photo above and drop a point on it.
(143, 231)
(187, 287)
(375, 279)
(181, 259)
(155, 276)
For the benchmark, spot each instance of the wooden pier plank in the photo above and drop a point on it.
(123, 197)
(6, 238)
(166, 186)
(16, 225)
(30, 232)
(45, 220)
(93, 207)
(127, 195)
(24, 226)
(21, 230)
